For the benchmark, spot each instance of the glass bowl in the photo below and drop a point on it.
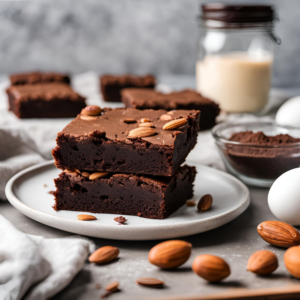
(255, 164)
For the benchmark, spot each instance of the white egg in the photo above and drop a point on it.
(284, 197)
(288, 114)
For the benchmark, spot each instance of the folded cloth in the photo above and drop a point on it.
(37, 268)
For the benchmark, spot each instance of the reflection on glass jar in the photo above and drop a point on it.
(236, 55)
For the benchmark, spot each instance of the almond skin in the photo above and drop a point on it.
(170, 254)
(104, 255)
(175, 124)
(149, 282)
(205, 203)
(210, 267)
(86, 218)
(141, 132)
(279, 234)
(112, 287)
(166, 117)
(262, 262)
(91, 110)
(292, 261)
(97, 175)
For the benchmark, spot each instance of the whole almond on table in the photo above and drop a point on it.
(279, 234)
(86, 218)
(141, 132)
(205, 203)
(104, 255)
(170, 254)
(292, 261)
(175, 124)
(91, 110)
(263, 262)
(151, 282)
(113, 286)
(210, 267)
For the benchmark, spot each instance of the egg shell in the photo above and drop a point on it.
(288, 113)
(284, 197)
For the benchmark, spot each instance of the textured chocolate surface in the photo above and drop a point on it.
(111, 86)
(125, 194)
(186, 99)
(38, 77)
(101, 144)
(44, 100)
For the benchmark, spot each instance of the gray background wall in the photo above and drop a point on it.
(115, 36)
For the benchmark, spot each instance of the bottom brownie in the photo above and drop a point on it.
(144, 196)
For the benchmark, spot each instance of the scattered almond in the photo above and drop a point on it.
(146, 125)
(175, 124)
(104, 255)
(129, 120)
(190, 203)
(170, 254)
(85, 174)
(91, 110)
(150, 282)
(166, 117)
(205, 203)
(113, 286)
(279, 234)
(72, 172)
(145, 120)
(86, 218)
(88, 118)
(292, 261)
(97, 175)
(141, 132)
(210, 267)
(262, 262)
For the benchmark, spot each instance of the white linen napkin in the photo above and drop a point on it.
(37, 268)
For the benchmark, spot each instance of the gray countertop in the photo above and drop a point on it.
(235, 242)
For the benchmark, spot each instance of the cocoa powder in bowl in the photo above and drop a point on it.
(262, 156)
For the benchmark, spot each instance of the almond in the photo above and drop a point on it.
(85, 174)
(262, 262)
(279, 234)
(129, 120)
(292, 261)
(113, 286)
(170, 254)
(205, 203)
(149, 282)
(210, 267)
(175, 124)
(97, 175)
(104, 255)
(191, 203)
(141, 132)
(86, 218)
(166, 117)
(145, 120)
(77, 171)
(88, 118)
(146, 125)
(91, 110)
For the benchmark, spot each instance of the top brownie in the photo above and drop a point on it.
(186, 99)
(111, 85)
(115, 141)
(38, 77)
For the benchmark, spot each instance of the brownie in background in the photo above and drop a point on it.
(186, 99)
(111, 86)
(125, 194)
(38, 77)
(44, 100)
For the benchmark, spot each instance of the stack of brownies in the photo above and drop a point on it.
(43, 95)
(126, 161)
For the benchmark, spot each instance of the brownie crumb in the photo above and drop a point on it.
(121, 220)
(51, 192)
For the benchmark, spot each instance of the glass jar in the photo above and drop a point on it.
(235, 55)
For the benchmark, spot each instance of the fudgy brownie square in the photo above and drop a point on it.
(118, 141)
(38, 77)
(44, 100)
(186, 99)
(111, 86)
(144, 196)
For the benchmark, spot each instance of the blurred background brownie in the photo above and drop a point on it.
(44, 100)
(38, 77)
(111, 86)
(186, 99)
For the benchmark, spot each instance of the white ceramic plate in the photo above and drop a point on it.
(27, 192)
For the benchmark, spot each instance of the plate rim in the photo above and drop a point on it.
(30, 212)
